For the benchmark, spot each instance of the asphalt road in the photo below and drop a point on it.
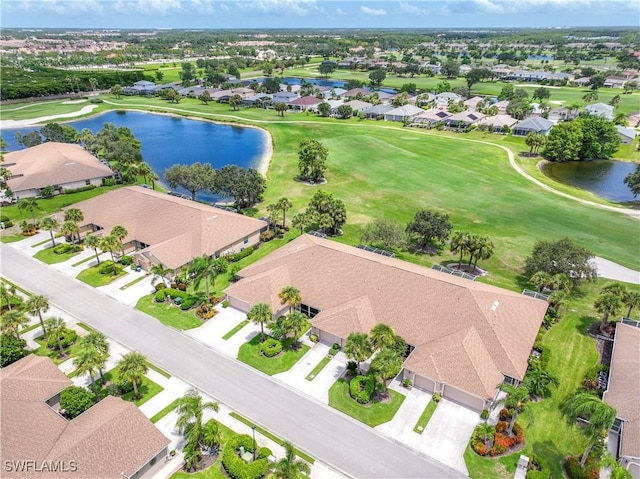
(327, 435)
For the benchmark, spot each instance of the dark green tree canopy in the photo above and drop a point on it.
(75, 400)
(430, 225)
(246, 186)
(193, 178)
(632, 180)
(312, 159)
(376, 77)
(563, 256)
(328, 213)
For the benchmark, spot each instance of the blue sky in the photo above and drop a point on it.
(316, 13)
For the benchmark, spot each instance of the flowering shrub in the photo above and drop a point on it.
(504, 414)
(502, 426)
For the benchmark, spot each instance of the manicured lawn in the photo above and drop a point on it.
(373, 414)
(237, 328)
(93, 277)
(131, 283)
(168, 314)
(30, 328)
(160, 371)
(87, 328)
(83, 261)
(48, 256)
(425, 416)
(319, 367)
(12, 238)
(41, 243)
(250, 354)
(274, 438)
(53, 354)
(147, 389)
(164, 411)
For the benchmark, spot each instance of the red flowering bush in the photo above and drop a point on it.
(502, 426)
(519, 433)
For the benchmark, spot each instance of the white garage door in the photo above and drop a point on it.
(423, 383)
(464, 398)
(238, 304)
(329, 338)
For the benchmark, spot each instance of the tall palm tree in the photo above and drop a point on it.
(541, 280)
(539, 381)
(190, 409)
(382, 336)
(457, 244)
(290, 296)
(600, 417)
(280, 107)
(387, 364)
(485, 250)
(121, 233)
(36, 305)
(98, 341)
(13, 321)
(87, 361)
(49, 224)
(160, 271)
(211, 434)
(133, 366)
(261, 314)
(111, 244)
(616, 288)
(30, 205)
(283, 204)
(192, 456)
(607, 304)
(207, 268)
(75, 215)
(145, 171)
(301, 220)
(561, 282)
(289, 467)
(56, 327)
(516, 399)
(358, 347)
(295, 323)
(93, 241)
(7, 291)
(632, 300)
(69, 228)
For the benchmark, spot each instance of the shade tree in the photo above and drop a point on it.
(312, 156)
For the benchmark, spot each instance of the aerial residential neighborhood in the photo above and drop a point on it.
(319, 239)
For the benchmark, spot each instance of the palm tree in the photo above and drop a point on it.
(111, 244)
(93, 241)
(13, 321)
(30, 205)
(160, 271)
(49, 224)
(56, 327)
(301, 220)
(558, 299)
(98, 341)
(192, 455)
(89, 359)
(207, 268)
(516, 399)
(133, 367)
(280, 107)
(590, 97)
(632, 300)
(75, 215)
(387, 364)
(69, 228)
(458, 244)
(616, 288)
(121, 233)
(190, 409)
(607, 304)
(617, 471)
(541, 280)
(615, 101)
(235, 101)
(382, 336)
(153, 177)
(290, 296)
(485, 430)
(36, 305)
(211, 434)
(600, 417)
(260, 314)
(295, 323)
(289, 467)
(145, 171)
(284, 204)
(358, 347)
(539, 381)
(7, 291)
(93, 83)
(485, 250)
(561, 282)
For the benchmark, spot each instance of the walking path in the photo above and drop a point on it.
(610, 270)
(34, 121)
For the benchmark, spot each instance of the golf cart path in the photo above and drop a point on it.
(34, 121)
(610, 270)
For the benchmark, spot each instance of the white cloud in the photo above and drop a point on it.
(57, 7)
(526, 6)
(281, 7)
(203, 7)
(146, 7)
(376, 12)
(340, 12)
(412, 9)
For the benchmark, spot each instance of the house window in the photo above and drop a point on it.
(510, 380)
(87, 182)
(246, 239)
(308, 310)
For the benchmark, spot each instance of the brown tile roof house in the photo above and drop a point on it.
(467, 335)
(624, 388)
(305, 102)
(52, 164)
(113, 439)
(167, 229)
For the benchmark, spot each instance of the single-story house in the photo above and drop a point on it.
(284, 97)
(443, 99)
(112, 439)
(627, 135)
(166, 229)
(622, 394)
(600, 109)
(615, 82)
(373, 112)
(501, 106)
(400, 113)
(354, 92)
(562, 113)
(582, 82)
(358, 105)
(142, 87)
(336, 92)
(464, 338)
(61, 165)
(430, 117)
(257, 99)
(472, 103)
(499, 122)
(532, 124)
(305, 103)
(464, 119)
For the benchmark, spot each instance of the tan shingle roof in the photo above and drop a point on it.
(624, 386)
(176, 229)
(52, 163)
(355, 289)
(111, 438)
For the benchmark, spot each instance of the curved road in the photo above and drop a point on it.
(331, 437)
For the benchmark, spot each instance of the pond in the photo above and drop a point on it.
(167, 140)
(316, 81)
(604, 178)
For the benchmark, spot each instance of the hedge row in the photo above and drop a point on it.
(187, 301)
(235, 467)
(232, 258)
(63, 248)
(361, 388)
(78, 190)
(271, 347)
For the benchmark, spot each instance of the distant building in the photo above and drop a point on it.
(532, 124)
(627, 135)
(600, 109)
(405, 111)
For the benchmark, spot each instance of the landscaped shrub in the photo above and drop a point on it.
(502, 426)
(108, 182)
(159, 286)
(160, 296)
(497, 449)
(504, 414)
(352, 367)
(204, 311)
(235, 467)
(188, 303)
(78, 190)
(225, 304)
(113, 390)
(125, 386)
(437, 397)
(63, 248)
(7, 223)
(232, 258)
(75, 400)
(589, 471)
(518, 431)
(67, 338)
(361, 388)
(406, 382)
(267, 236)
(95, 100)
(335, 346)
(11, 349)
(126, 260)
(538, 468)
(4, 218)
(182, 287)
(271, 347)
(478, 446)
(484, 414)
(175, 293)
(263, 453)
(313, 337)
